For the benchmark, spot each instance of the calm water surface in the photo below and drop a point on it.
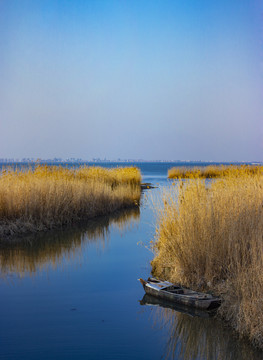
(74, 294)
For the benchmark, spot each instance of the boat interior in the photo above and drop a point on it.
(183, 291)
(176, 289)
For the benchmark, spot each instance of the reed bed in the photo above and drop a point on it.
(210, 237)
(213, 171)
(48, 196)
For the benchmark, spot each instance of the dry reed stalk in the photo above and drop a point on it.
(47, 197)
(210, 237)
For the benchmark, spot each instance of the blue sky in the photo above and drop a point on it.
(131, 79)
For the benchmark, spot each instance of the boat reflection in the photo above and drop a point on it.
(36, 252)
(196, 336)
(154, 301)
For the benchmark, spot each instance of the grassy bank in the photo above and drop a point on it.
(213, 171)
(210, 238)
(48, 196)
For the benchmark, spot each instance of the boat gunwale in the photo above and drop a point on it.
(151, 288)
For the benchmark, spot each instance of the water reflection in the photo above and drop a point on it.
(35, 252)
(195, 337)
(154, 301)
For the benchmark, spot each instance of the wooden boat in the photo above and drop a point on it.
(177, 294)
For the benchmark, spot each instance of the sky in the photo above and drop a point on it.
(137, 79)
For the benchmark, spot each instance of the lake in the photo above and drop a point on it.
(74, 294)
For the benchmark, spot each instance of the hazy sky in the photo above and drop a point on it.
(151, 79)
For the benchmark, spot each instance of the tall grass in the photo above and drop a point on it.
(213, 171)
(210, 237)
(49, 196)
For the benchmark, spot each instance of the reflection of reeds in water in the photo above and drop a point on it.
(195, 338)
(51, 249)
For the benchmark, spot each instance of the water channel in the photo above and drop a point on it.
(74, 294)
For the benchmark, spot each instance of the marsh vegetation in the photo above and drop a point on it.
(47, 197)
(213, 171)
(209, 236)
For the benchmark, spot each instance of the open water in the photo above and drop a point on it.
(74, 294)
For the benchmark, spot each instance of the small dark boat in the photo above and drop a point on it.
(147, 186)
(177, 294)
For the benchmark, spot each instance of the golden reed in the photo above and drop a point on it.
(209, 236)
(49, 196)
(213, 171)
